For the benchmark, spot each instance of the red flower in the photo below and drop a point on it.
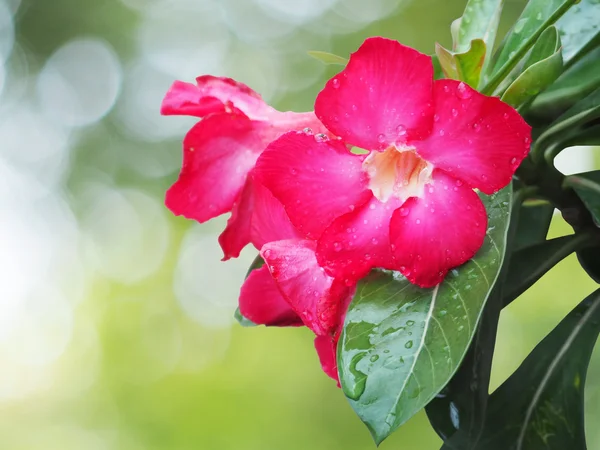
(221, 149)
(409, 204)
(291, 289)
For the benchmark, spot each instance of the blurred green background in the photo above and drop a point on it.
(116, 327)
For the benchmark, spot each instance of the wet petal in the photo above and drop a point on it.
(431, 235)
(213, 95)
(383, 95)
(218, 153)
(478, 139)
(326, 349)
(315, 180)
(269, 220)
(315, 296)
(237, 233)
(262, 303)
(358, 241)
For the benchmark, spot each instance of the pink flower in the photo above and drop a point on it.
(408, 204)
(291, 289)
(220, 151)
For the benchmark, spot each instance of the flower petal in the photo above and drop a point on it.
(358, 241)
(326, 349)
(478, 139)
(262, 303)
(316, 181)
(383, 95)
(213, 95)
(218, 153)
(269, 220)
(442, 230)
(315, 296)
(237, 233)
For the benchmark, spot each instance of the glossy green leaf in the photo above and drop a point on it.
(438, 73)
(588, 258)
(463, 66)
(401, 344)
(540, 406)
(528, 265)
(328, 58)
(565, 126)
(541, 69)
(587, 186)
(536, 17)
(533, 224)
(573, 85)
(579, 27)
(478, 22)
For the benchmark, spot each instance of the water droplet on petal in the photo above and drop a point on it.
(320, 137)
(459, 182)
(442, 132)
(374, 241)
(307, 131)
(401, 130)
(403, 211)
(513, 161)
(436, 117)
(446, 88)
(463, 91)
(335, 83)
(476, 126)
(418, 221)
(337, 246)
(454, 112)
(381, 138)
(354, 107)
(505, 115)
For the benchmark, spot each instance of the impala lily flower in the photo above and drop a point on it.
(221, 149)
(291, 289)
(409, 204)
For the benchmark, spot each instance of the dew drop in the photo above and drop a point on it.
(513, 161)
(408, 344)
(401, 130)
(505, 115)
(337, 246)
(446, 88)
(463, 92)
(374, 358)
(410, 323)
(335, 83)
(454, 112)
(403, 211)
(354, 107)
(320, 137)
(381, 138)
(476, 126)
(459, 182)
(374, 241)
(442, 132)
(307, 131)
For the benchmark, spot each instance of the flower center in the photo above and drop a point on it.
(397, 172)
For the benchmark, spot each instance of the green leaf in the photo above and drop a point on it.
(536, 17)
(588, 258)
(528, 265)
(533, 224)
(463, 66)
(587, 186)
(566, 126)
(578, 28)
(540, 406)
(328, 58)
(401, 344)
(242, 320)
(573, 85)
(541, 69)
(478, 22)
(438, 73)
